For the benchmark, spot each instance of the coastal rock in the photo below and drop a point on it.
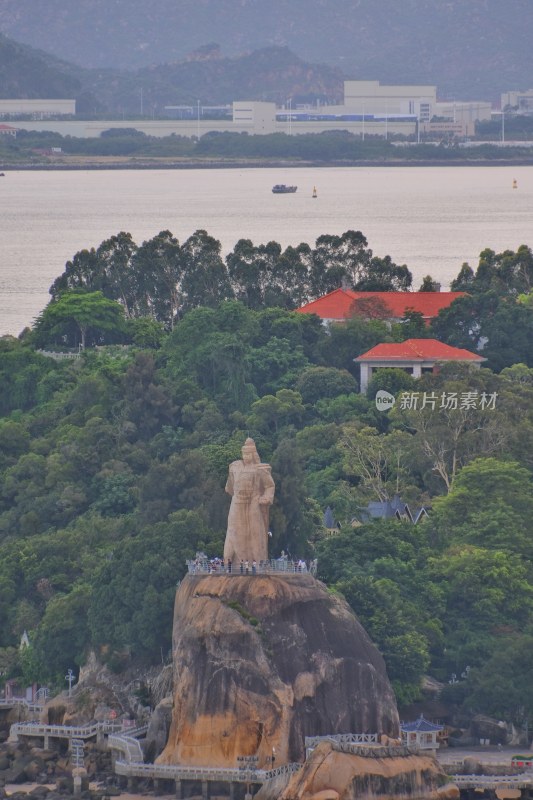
(261, 662)
(158, 729)
(333, 774)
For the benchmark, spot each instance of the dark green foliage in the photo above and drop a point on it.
(317, 383)
(79, 318)
(390, 380)
(492, 318)
(113, 467)
(133, 591)
(21, 370)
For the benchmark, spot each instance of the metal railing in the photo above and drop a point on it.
(177, 772)
(58, 356)
(20, 701)
(273, 566)
(77, 753)
(64, 731)
(128, 745)
(523, 780)
(345, 738)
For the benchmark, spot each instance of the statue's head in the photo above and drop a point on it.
(249, 452)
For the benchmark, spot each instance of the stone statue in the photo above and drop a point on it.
(251, 488)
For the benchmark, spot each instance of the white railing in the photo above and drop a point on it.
(58, 356)
(64, 731)
(227, 775)
(20, 701)
(128, 745)
(492, 781)
(273, 566)
(344, 738)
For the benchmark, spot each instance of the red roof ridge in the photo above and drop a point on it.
(338, 304)
(419, 349)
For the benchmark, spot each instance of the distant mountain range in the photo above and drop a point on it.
(471, 49)
(272, 74)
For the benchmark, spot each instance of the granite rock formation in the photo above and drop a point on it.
(334, 772)
(260, 662)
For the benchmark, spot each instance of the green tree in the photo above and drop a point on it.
(337, 259)
(488, 596)
(158, 267)
(490, 505)
(378, 461)
(251, 270)
(316, 383)
(205, 277)
(428, 285)
(62, 636)
(86, 312)
(348, 340)
(272, 413)
(133, 595)
(390, 379)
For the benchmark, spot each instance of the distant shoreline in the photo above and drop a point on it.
(99, 164)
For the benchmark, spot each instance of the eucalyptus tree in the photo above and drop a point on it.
(291, 278)
(251, 269)
(205, 278)
(114, 257)
(158, 269)
(338, 260)
(106, 268)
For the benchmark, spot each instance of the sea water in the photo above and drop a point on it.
(431, 218)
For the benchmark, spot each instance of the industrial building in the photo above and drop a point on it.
(369, 109)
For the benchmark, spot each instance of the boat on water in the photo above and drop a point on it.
(282, 188)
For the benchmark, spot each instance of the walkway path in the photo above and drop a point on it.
(130, 763)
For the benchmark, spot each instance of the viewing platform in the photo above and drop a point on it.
(275, 566)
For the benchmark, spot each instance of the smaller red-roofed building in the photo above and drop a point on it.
(8, 130)
(342, 304)
(416, 356)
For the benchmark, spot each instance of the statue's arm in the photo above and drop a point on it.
(267, 486)
(229, 482)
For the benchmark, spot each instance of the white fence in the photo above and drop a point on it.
(179, 773)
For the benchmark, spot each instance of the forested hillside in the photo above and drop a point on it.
(272, 74)
(113, 464)
(472, 50)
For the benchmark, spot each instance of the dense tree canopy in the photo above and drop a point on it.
(113, 464)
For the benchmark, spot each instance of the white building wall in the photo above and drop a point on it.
(373, 98)
(191, 128)
(523, 101)
(39, 108)
(260, 117)
(465, 113)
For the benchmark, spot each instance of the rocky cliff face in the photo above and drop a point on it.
(331, 774)
(260, 662)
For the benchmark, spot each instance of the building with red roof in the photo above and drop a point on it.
(341, 304)
(8, 130)
(416, 356)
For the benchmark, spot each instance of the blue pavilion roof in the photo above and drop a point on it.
(420, 724)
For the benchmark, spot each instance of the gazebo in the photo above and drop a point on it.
(421, 734)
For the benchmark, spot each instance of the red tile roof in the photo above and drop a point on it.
(418, 350)
(338, 304)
